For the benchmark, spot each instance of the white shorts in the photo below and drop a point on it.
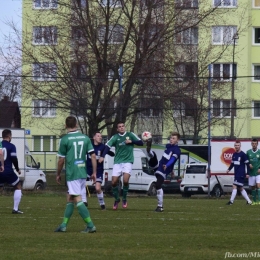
(75, 187)
(119, 169)
(257, 179)
(253, 180)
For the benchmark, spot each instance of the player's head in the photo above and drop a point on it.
(120, 127)
(7, 135)
(97, 137)
(174, 138)
(71, 122)
(254, 143)
(237, 146)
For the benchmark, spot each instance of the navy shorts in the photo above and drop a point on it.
(239, 181)
(10, 178)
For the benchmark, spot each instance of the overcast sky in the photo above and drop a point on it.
(10, 10)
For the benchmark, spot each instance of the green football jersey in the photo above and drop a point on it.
(254, 159)
(123, 152)
(74, 146)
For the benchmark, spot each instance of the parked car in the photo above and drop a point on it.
(172, 184)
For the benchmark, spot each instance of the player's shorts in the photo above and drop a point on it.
(239, 182)
(120, 168)
(76, 186)
(257, 178)
(11, 178)
(252, 181)
(99, 177)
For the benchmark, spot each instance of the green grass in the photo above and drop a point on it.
(187, 229)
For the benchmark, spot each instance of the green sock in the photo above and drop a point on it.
(115, 193)
(84, 213)
(258, 193)
(125, 191)
(254, 195)
(68, 213)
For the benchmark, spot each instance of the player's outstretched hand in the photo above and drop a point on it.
(19, 172)
(1, 168)
(58, 179)
(93, 177)
(101, 159)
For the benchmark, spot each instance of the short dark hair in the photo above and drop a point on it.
(254, 140)
(97, 132)
(71, 122)
(6, 133)
(237, 142)
(119, 122)
(176, 134)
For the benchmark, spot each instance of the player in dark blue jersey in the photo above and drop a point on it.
(1, 158)
(239, 162)
(99, 148)
(8, 175)
(170, 156)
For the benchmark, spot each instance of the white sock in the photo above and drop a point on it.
(84, 195)
(17, 198)
(100, 197)
(244, 194)
(233, 195)
(160, 197)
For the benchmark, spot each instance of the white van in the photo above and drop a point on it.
(195, 181)
(31, 177)
(142, 177)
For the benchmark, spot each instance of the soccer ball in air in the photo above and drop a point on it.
(146, 135)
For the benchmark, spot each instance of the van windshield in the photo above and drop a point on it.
(30, 162)
(196, 169)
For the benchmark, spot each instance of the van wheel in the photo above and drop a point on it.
(152, 190)
(186, 195)
(39, 186)
(216, 192)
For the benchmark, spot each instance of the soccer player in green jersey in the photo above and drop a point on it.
(254, 177)
(72, 151)
(1, 158)
(124, 149)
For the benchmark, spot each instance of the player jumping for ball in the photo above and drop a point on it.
(165, 166)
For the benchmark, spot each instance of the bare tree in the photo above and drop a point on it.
(73, 57)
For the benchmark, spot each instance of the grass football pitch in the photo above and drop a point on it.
(196, 228)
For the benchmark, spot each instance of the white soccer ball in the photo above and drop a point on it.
(146, 135)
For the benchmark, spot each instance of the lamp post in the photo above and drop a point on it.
(235, 37)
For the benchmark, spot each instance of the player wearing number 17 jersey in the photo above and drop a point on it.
(73, 147)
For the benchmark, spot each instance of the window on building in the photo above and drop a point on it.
(78, 107)
(152, 107)
(256, 35)
(256, 3)
(77, 35)
(223, 72)
(186, 3)
(256, 72)
(80, 3)
(225, 3)
(188, 36)
(79, 71)
(115, 35)
(111, 3)
(45, 4)
(224, 34)
(45, 35)
(44, 108)
(44, 71)
(184, 107)
(185, 71)
(256, 108)
(44, 143)
(222, 108)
